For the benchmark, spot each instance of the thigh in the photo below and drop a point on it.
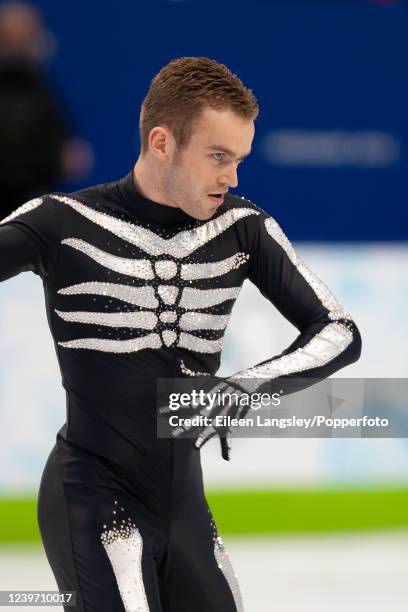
(198, 574)
(92, 537)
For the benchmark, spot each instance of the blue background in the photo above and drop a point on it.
(312, 66)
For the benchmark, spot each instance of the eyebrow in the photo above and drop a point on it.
(225, 150)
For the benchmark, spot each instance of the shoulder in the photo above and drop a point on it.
(260, 226)
(102, 191)
(243, 208)
(36, 209)
(237, 203)
(103, 197)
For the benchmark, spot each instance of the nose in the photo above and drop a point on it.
(231, 176)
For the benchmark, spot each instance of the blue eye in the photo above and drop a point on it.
(239, 161)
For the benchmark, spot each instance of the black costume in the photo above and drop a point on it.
(137, 290)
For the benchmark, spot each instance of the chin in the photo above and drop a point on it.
(208, 214)
(203, 215)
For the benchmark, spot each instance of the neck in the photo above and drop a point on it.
(147, 184)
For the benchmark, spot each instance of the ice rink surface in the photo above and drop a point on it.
(357, 573)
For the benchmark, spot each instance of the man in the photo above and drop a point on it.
(140, 276)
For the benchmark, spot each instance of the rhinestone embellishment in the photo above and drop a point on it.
(324, 294)
(168, 293)
(21, 210)
(124, 547)
(166, 269)
(169, 337)
(194, 299)
(168, 316)
(139, 296)
(185, 370)
(115, 346)
(200, 345)
(200, 320)
(181, 245)
(137, 320)
(322, 348)
(224, 564)
(139, 268)
(217, 268)
(154, 295)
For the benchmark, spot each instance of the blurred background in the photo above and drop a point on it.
(311, 524)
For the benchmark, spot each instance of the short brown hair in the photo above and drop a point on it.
(181, 89)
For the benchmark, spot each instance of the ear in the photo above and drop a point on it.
(161, 142)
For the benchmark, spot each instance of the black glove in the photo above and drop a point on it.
(202, 433)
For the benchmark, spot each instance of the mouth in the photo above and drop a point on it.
(218, 198)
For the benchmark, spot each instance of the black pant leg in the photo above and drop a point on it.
(92, 538)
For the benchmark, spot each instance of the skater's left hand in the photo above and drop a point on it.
(202, 433)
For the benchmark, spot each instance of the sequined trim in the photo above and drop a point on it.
(200, 320)
(169, 337)
(336, 310)
(166, 269)
(139, 268)
(152, 341)
(322, 348)
(181, 245)
(224, 564)
(168, 316)
(324, 294)
(275, 231)
(21, 210)
(124, 546)
(168, 293)
(188, 372)
(137, 320)
(200, 345)
(193, 299)
(139, 296)
(211, 269)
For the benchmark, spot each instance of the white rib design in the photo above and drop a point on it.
(200, 345)
(201, 320)
(181, 245)
(193, 299)
(115, 346)
(169, 337)
(139, 268)
(139, 296)
(214, 268)
(168, 293)
(138, 320)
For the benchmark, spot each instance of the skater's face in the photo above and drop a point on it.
(208, 165)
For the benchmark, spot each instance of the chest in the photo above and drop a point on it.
(177, 286)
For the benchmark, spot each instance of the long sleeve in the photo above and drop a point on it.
(29, 239)
(328, 339)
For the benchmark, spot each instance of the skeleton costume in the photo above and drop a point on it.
(133, 289)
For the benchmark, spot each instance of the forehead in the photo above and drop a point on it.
(223, 127)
